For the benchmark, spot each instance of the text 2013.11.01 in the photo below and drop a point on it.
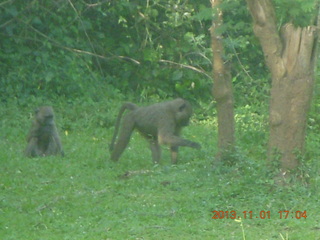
(284, 214)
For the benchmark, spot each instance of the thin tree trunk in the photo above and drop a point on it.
(222, 87)
(290, 56)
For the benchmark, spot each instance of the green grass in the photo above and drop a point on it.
(86, 196)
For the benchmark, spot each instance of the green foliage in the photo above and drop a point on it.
(76, 49)
(156, 49)
(300, 12)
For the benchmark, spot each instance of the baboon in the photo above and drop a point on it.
(159, 123)
(43, 138)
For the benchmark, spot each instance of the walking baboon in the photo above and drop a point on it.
(43, 138)
(159, 123)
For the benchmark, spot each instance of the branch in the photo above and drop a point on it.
(265, 28)
(239, 61)
(57, 44)
(3, 3)
(85, 32)
(187, 66)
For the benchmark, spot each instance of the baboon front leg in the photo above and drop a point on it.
(124, 137)
(54, 147)
(174, 154)
(155, 150)
(59, 148)
(32, 148)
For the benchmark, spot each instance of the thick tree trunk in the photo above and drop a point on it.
(222, 87)
(290, 56)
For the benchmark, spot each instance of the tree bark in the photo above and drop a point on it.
(222, 87)
(291, 56)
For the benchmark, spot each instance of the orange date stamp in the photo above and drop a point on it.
(284, 214)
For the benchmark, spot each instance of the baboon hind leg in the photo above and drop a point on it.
(174, 154)
(52, 148)
(32, 149)
(155, 150)
(123, 138)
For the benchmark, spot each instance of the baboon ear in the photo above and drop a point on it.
(182, 107)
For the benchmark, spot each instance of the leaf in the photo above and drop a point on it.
(12, 10)
(177, 75)
(150, 55)
(205, 13)
(49, 76)
(37, 21)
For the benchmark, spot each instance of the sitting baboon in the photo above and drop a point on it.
(43, 138)
(159, 123)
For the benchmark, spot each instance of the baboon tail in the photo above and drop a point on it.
(128, 105)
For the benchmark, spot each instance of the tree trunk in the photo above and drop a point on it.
(222, 87)
(291, 57)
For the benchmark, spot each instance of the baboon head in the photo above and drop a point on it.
(183, 112)
(45, 116)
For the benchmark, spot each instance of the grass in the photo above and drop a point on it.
(86, 196)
